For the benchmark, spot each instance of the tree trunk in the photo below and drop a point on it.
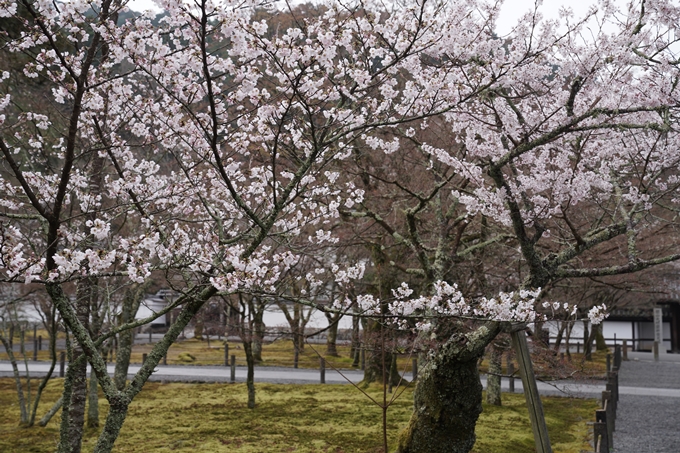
(93, 403)
(587, 342)
(448, 397)
(600, 344)
(560, 335)
(131, 301)
(78, 401)
(355, 349)
(53, 410)
(23, 421)
(332, 334)
(493, 379)
(378, 356)
(258, 333)
(250, 376)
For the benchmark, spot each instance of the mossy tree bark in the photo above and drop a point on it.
(131, 302)
(448, 396)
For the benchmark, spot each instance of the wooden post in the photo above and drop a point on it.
(511, 376)
(226, 354)
(144, 358)
(62, 363)
(526, 372)
(609, 362)
(35, 349)
(608, 409)
(322, 369)
(578, 347)
(233, 368)
(600, 430)
(39, 342)
(414, 369)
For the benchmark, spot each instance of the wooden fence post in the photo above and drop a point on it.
(601, 431)
(322, 369)
(35, 349)
(233, 368)
(534, 404)
(226, 354)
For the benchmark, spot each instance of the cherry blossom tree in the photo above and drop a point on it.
(201, 145)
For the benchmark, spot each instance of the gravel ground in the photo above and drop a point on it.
(648, 424)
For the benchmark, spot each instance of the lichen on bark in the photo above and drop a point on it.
(448, 396)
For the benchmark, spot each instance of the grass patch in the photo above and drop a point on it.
(287, 418)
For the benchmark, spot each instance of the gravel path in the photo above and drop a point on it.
(648, 424)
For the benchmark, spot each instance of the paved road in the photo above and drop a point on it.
(649, 422)
(187, 373)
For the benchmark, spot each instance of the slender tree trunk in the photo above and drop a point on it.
(560, 335)
(118, 408)
(448, 396)
(493, 380)
(258, 332)
(93, 403)
(332, 334)
(587, 342)
(600, 343)
(131, 301)
(567, 339)
(355, 349)
(53, 410)
(250, 377)
(23, 421)
(377, 356)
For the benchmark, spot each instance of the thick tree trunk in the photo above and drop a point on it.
(448, 397)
